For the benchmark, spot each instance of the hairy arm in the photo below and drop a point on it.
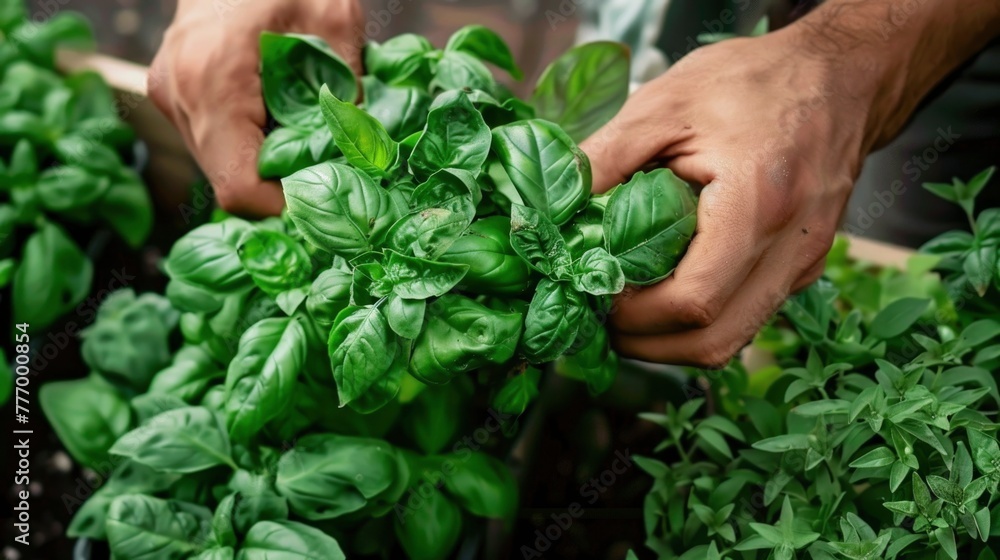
(776, 127)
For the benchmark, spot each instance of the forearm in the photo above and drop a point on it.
(891, 53)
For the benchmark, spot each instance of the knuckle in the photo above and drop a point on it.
(697, 311)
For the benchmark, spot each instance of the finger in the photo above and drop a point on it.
(715, 345)
(810, 276)
(630, 140)
(227, 150)
(727, 245)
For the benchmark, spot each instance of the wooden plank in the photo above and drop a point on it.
(878, 252)
(123, 76)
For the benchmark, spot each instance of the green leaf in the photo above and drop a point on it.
(878, 457)
(401, 110)
(897, 317)
(462, 335)
(584, 88)
(287, 149)
(413, 278)
(495, 268)
(183, 440)
(66, 187)
(550, 173)
(943, 190)
(427, 233)
(127, 208)
(976, 184)
(452, 189)
(517, 393)
(337, 208)
(261, 377)
(293, 69)
(326, 476)
(405, 316)
(456, 136)
(980, 266)
(147, 528)
(648, 225)
(458, 70)
(207, 258)
(485, 44)
(538, 241)
(946, 538)
(329, 294)
(431, 528)
(552, 322)
(598, 273)
(53, 277)
(362, 351)
(401, 60)
(481, 485)
(87, 414)
(361, 138)
(276, 262)
(782, 443)
(288, 540)
(946, 490)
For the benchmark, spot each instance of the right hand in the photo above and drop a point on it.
(205, 78)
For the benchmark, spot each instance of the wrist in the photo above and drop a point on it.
(883, 57)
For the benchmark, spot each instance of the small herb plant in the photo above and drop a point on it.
(439, 247)
(63, 153)
(873, 436)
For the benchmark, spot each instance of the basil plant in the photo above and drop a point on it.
(63, 167)
(440, 246)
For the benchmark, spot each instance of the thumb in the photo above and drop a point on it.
(635, 137)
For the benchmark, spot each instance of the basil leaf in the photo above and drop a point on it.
(517, 393)
(337, 208)
(275, 261)
(458, 70)
(485, 44)
(326, 476)
(129, 342)
(552, 322)
(328, 295)
(126, 478)
(427, 233)
(495, 268)
(362, 139)
(546, 167)
(216, 553)
(594, 363)
(483, 486)
(127, 208)
(88, 415)
(207, 258)
(648, 224)
(83, 152)
(400, 61)
(294, 68)
(147, 528)
(405, 316)
(598, 273)
(414, 278)
(288, 540)
(431, 531)
(183, 440)
(66, 187)
(584, 88)
(286, 150)
(53, 277)
(401, 110)
(188, 376)
(362, 351)
(452, 189)
(430, 417)
(261, 378)
(537, 240)
(897, 317)
(461, 335)
(456, 136)
(980, 266)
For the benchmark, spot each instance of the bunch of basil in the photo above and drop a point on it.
(62, 161)
(440, 244)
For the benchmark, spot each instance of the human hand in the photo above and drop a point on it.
(778, 143)
(205, 78)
